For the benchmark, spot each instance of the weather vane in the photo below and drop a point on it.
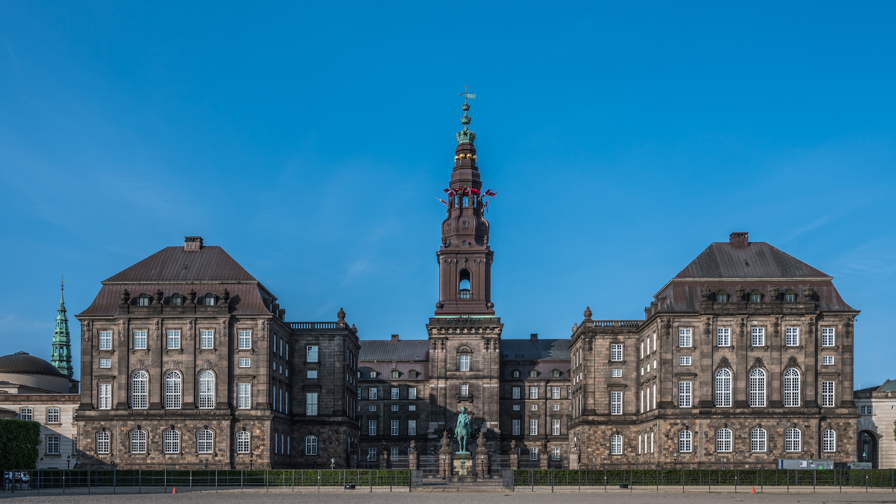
(466, 95)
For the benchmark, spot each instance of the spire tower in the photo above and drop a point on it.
(62, 341)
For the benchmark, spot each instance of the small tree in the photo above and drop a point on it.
(19, 440)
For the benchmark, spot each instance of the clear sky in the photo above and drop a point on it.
(308, 139)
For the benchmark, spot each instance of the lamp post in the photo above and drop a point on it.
(68, 462)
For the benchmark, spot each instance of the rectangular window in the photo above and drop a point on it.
(412, 392)
(827, 360)
(533, 426)
(105, 340)
(394, 393)
(616, 403)
(371, 393)
(863, 410)
(827, 336)
(555, 453)
(206, 339)
(140, 340)
(412, 427)
(394, 407)
(516, 407)
(757, 337)
(25, 414)
(372, 407)
(684, 394)
(516, 392)
(173, 340)
(792, 336)
(723, 336)
(615, 444)
(244, 340)
(555, 407)
(827, 394)
(393, 427)
(244, 395)
(371, 427)
(615, 373)
(52, 415)
(616, 352)
(569, 392)
(684, 360)
(311, 373)
(311, 353)
(684, 338)
(104, 396)
(311, 403)
(464, 390)
(533, 453)
(463, 362)
(555, 426)
(555, 392)
(244, 362)
(105, 363)
(52, 445)
(102, 442)
(533, 392)
(516, 427)
(371, 454)
(412, 407)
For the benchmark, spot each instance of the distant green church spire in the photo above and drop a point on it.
(62, 341)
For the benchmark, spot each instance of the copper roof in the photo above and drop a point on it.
(756, 260)
(22, 363)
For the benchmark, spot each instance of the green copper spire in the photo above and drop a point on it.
(466, 136)
(62, 341)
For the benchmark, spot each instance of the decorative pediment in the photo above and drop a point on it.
(140, 365)
(173, 364)
(724, 362)
(791, 362)
(757, 363)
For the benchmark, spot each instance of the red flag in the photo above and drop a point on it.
(450, 192)
(473, 191)
(489, 192)
(443, 201)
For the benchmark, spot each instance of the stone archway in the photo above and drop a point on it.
(867, 449)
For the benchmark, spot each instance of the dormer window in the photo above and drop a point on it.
(721, 297)
(555, 373)
(143, 300)
(210, 299)
(790, 296)
(515, 373)
(755, 297)
(395, 373)
(177, 300)
(533, 374)
(413, 373)
(372, 374)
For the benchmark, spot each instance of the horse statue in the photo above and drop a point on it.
(463, 431)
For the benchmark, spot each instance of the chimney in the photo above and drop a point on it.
(533, 336)
(192, 243)
(739, 240)
(394, 338)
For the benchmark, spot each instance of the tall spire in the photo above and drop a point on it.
(62, 341)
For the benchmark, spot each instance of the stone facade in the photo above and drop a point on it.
(60, 452)
(876, 437)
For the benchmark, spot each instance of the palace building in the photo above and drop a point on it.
(742, 358)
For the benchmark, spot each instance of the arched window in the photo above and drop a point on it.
(615, 444)
(103, 442)
(143, 299)
(755, 296)
(515, 373)
(242, 442)
(789, 296)
(463, 361)
(758, 440)
(138, 441)
(311, 445)
(792, 388)
(206, 390)
(828, 441)
(685, 441)
(173, 390)
(555, 373)
(464, 286)
(140, 390)
(171, 441)
(205, 441)
(372, 374)
(757, 388)
(793, 441)
(395, 373)
(177, 300)
(210, 299)
(723, 440)
(723, 388)
(721, 296)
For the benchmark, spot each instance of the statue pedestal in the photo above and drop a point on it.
(463, 467)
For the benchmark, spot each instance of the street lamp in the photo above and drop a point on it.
(68, 462)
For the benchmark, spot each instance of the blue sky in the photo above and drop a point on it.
(308, 139)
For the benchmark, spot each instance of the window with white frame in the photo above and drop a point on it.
(757, 388)
(311, 353)
(515, 423)
(244, 362)
(244, 340)
(173, 390)
(757, 338)
(533, 373)
(758, 440)
(555, 426)
(684, 360)
(244, 395)
(533, 426)
(371, 427)
(555, 392)
(105, 363)
(104, 396)
(723, 440)
(205, 441)
(684, 338)
(555, 407)
(311, 403)
(516, 392)
(371, 407)
(412, 427)
(863, 410)
(463, 362)
(173, 340)
(412, 392)
(206, 339)
(103, 442)
(684, 394)
(827, 394)
(793, 440)
(533, 453)
(393, 427)
(827, 336)
(206, 389)
(827, 360)
(723, 336)
(25, 414)
(140, 390)
(394, 393)
(516, 407)
(792, 336)
(791, 388)
(615, 403)
(615, 373)
(105, 340)
(53, 445)
(371, 393)
(828, 441)
(311, 374)
(555, 453)
(616, 352)
(140, 340)
(533, 392)
(615, 444)
(138, 441)
(648, 346)
(171, 441)
(685, 441)
(243, 443)
(393, 453)
(52, 415)
(371, 454)
(465, 389)
(723, 388)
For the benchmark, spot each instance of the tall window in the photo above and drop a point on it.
(205, 441)
(371, 393)
(757, 336)
(171, 441)
(533, 426)
(412, 392)
(173, 390)
(138, 441)
(793, 440)
(758, 440)
(394, 393)
(555, 453)
(206, 339)
(206, 390)
(723, 388)
(616, 352)
(103, 442)
(533, 453)
(792, 336)
(723, 336)
(53, 445)
(555, 426)
(723, 440)
(104, 396)
(311, 403)
(791, 388)
(685, 441)
(173, 340)
(140, 390)
(412, 427)
(371, 454)
(242, 442)
(516, 426)
(533, 392)
(393, 427)
(516, 392)
(371, 427)
(311, 353)
(684, 338)
(827, 336)
(311, 445)
(615, 444)
(105, 340)
(244, 340)
(615, 403)
(464, 390)
(684, 394)
(827, 394)
(140, 340)
(828, 441)
(555, 392)
(244, 395)
(463, 362)
(25, 414)
(757, 388)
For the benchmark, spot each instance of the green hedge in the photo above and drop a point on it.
(877, 478)
(19, 440)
